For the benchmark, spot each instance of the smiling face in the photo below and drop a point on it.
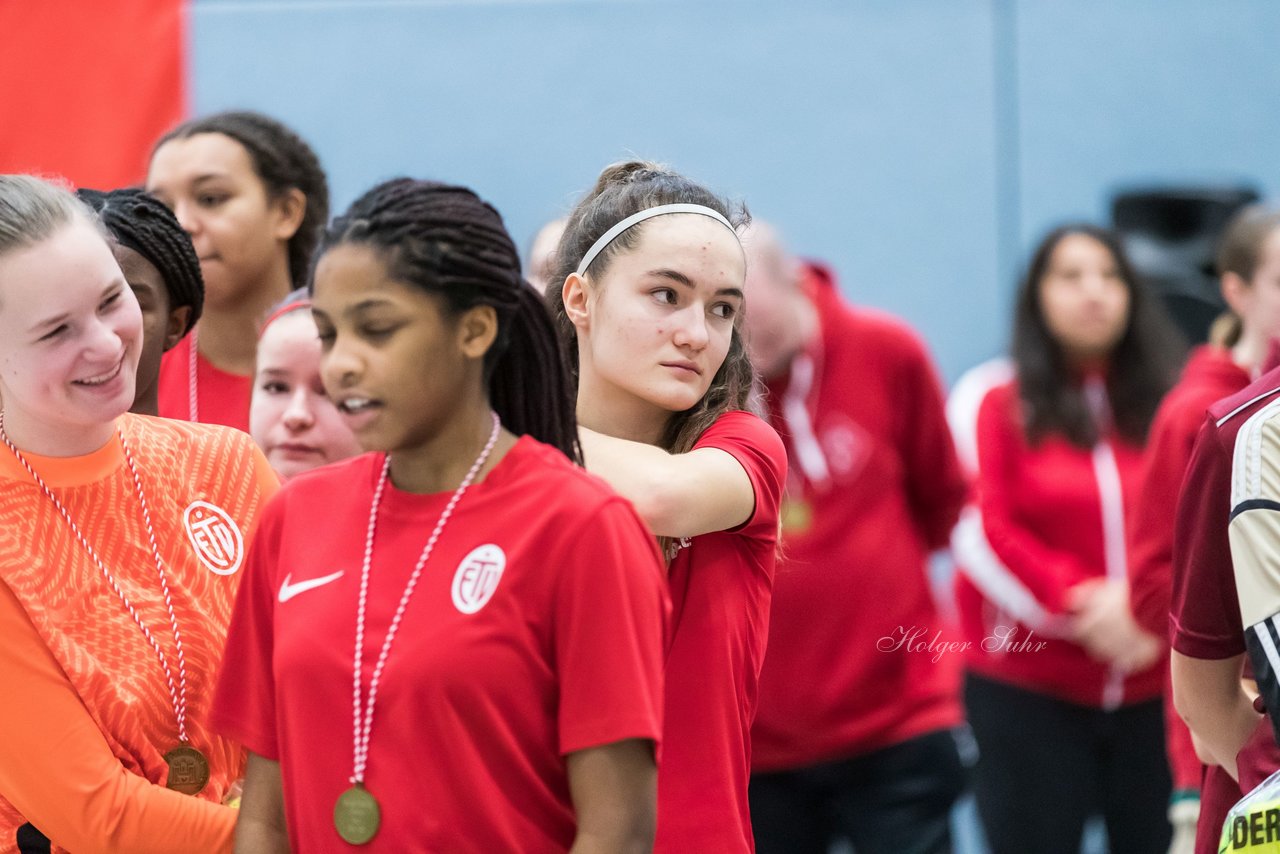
(395, 363)
(1084, 298)
(290, 417)
(70, 340)
(654, 328)
(240, 234)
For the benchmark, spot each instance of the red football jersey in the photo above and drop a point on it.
(1205, 619)
(222, 398)
(536, 630)
(720, 589)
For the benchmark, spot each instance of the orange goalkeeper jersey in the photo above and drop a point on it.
(88, 715)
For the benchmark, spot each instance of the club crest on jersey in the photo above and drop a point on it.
(214, 536)
(477, 577)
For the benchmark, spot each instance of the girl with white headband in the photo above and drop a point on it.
(648, 301)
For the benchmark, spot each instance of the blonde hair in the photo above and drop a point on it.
(32, 209)
(1226, 329)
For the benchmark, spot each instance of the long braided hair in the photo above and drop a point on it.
(142, 223)
(283, 161)
(447, 241)
(622, 190)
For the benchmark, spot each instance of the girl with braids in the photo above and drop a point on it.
(253, 197)
(648, 296)
(507, 610)
(291, 418)
(1063, 685)
(162, 270)
(120, 550)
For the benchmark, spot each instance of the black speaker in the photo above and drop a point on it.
(1171, 235)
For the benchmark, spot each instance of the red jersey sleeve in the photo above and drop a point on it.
(611, 610)
(244, 706)
(1046, 572)
(935, 484)
(1151, 534)
(759, 450)
(1204, 618)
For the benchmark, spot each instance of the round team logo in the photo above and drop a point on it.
(477, 577)
(847, 447)
(215, 537)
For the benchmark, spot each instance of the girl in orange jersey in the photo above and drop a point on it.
(253, 197)
(122, 540)
(291, 418)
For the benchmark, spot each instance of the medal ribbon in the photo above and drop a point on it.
(178, 692)
(365, 712)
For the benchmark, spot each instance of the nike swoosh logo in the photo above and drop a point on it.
(288, 591)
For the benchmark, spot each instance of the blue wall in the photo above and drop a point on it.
(919, 146)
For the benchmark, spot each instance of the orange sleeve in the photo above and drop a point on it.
(59, 772)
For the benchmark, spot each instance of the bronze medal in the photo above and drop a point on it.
(356, 815)
(188, 769)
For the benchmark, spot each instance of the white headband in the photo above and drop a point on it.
(610, 235)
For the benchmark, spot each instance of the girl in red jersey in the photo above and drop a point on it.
(507, 610)
(123, 537)
(1249, 268)
(253, 197)
(648, 297)
(291, 417)
(1063, 690)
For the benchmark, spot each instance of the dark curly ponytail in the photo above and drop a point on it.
(283, 161)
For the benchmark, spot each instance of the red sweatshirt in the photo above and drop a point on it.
(1044, 518)
(1209, 376)
(874, 486)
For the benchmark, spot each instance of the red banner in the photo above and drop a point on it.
(87, 86)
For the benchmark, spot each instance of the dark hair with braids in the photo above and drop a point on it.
(140, 222)
(448, 242)
(1141, 367)
(622, 190)
(283, 162)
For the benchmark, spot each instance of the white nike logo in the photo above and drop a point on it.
(288, 591)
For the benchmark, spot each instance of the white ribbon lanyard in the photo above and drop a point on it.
(795, 412)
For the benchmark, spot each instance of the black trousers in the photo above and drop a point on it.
(892, 801)
(32, 841)
(1045, 766)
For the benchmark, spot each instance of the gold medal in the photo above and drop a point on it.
(356, 815)
(796, 515)
(188, 769)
